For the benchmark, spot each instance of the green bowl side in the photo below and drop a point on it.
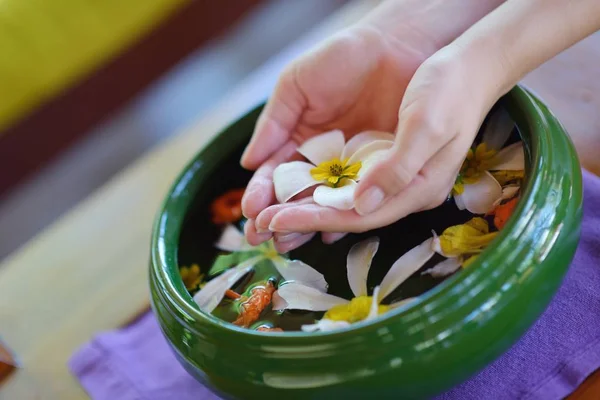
(425, 348)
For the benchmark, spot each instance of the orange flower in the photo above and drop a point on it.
(502, 212)
(227, 208)
(259, 299)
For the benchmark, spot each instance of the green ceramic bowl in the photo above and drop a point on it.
(425, 348)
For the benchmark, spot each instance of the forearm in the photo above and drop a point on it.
(521, 35)
(427, 24)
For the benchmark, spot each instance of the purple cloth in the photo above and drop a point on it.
(549, 361)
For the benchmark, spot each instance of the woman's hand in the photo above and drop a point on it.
(437, 122)
(354, 82)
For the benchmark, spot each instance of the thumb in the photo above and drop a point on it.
(277, 121)
(415, 144)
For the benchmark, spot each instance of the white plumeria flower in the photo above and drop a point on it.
(341, 312)
(336, 166)
(476, 189)
(232, 240)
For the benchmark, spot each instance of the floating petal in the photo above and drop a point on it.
(444, 268)
(297, 271)
(341, 198)
(363, 139)
(468, 238)
(374, 311)
(358, 264)
(209, 297)
(498, 130)
(405, 266)
(460, 204)
(323, 147)
(301, 297)
(232, 239)
(479, 197)
(508, 192)
(278, 302)
(510, 158)
(325, 325)
(291, 178)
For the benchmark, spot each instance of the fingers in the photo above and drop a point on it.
(259, 193)
(288, 242)
(418, 139)
(427, 190)
(277, 120)
(263, 220)
(332, 237)
(252, 236)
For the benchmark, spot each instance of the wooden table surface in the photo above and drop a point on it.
(87, 273)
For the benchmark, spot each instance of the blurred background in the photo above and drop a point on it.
(88, 86)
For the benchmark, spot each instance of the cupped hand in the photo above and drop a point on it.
(353, 82)
(438, 119)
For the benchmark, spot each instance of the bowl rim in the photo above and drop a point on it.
(523, 107)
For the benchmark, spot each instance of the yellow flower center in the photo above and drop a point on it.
(468, 238)
(355, 311)
(474, 165)
(191, 276)
(333, 171)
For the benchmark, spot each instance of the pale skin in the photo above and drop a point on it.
(428, 70)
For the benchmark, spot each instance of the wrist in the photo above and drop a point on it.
(426, 25)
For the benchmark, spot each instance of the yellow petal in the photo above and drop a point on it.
(355, 311)
(458, 188)
(467, 238)
(351, 171)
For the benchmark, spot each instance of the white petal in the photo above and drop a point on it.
(402, 302)
(374, 311)
(278, 302)
(364, 152)
(508, 192)
(301, 297)
(373, 159)
(341, 197)
(405, 266)
(232, 239)
(436, 246)
(444, 268)
(479, 197)
(297, 271)
(460, 204)
(291, 178)
(510, 158)
(498, 130)
(362, 139)
(324, 147)
(325, 325)
(209, 297)
(358, 264)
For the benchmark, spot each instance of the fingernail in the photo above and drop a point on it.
(274, 228)
(261, 229)
(369, 201)
(333, 237)
(288, 237)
